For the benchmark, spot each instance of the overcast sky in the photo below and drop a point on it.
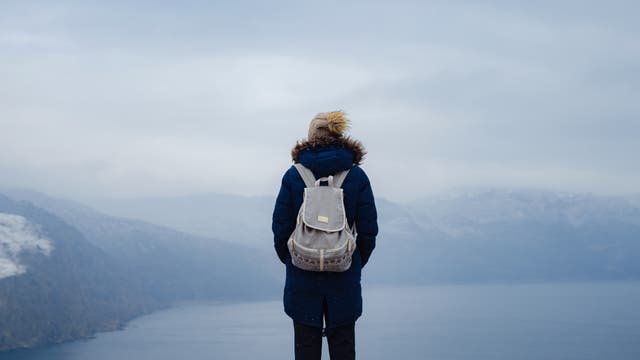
(168, 98)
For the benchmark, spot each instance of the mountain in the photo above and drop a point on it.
(172, 263)
(63, 287)
(521, 236)
(67, 271)
(487, 235)
(243, 220)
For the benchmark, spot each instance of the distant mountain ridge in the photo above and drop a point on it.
(240, 219)
(516, 235)
(106, 269)
(488, 235)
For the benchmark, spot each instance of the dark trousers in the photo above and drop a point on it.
(308, 342)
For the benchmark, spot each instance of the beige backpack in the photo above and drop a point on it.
(322, 239)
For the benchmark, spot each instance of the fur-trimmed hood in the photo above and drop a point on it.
(317, 144)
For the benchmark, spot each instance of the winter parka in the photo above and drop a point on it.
(307, 294)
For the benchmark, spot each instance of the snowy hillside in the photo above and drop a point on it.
(17, 234)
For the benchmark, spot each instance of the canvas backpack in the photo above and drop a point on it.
(322, 239)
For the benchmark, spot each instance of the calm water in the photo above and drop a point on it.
(548, 321)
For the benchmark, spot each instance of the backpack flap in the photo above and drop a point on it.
(323, 208)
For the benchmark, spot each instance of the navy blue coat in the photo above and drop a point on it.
(307, 293)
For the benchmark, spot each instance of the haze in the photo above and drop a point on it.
(162, 98)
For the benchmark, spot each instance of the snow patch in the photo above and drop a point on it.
(17, 234)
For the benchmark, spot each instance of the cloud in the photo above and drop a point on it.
(18, 235)
(22, 38)
(151, 100)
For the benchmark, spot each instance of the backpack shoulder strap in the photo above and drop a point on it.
(306, 175)
(339, 177)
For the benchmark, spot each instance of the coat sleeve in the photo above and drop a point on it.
(366, 221)
(284, 219)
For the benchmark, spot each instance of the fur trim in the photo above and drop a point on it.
(342, 141)
(337, 122)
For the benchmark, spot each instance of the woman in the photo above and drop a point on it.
(308, 295)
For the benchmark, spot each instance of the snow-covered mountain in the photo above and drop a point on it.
(512, 236)
(158, 251)
(60, 286)
(459, 212)
(464, 235)
(69, 271)
(18, 235)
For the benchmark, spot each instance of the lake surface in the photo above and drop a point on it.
(543, 321)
